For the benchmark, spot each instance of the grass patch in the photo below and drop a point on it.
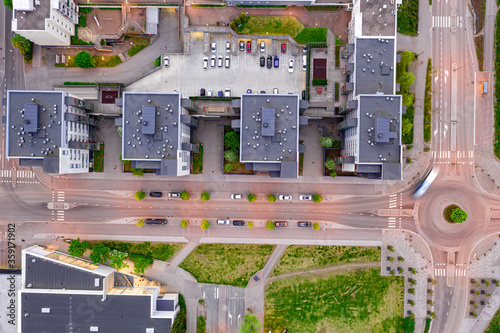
(408, 18)
(447, 213)
(198, 162)
(301, 164)
(479, 42)
(301, 258)
(313, 35)
(343, 302)
(229, 264)
(138, 44)
(427, 102)
(480, 8)
(201, 324)
(271, 25)
(337, 56)
(337, 91)
(322, 8)
(496, 143)
(428, 325)
(236, 166)
(160, 251)
(99, 158)
(494, 326)
(319, 82)
(107, 61)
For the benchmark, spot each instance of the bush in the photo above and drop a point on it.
(103, 42)
(320, 82)
(231, 156)
(139, 195)
(233, 26)
(316, 226)
(250, 225)
(270, 225)
(317, 198)
(251, 324)
(185, 195)
(231, 140)
(205, 196)
(117, 257)
(228, 168)
(271, 198)
(100, 253)
(157, 62)
(77, 248)
(409, 324)
(25, 46)
(84, 60)
(327, 141)
(184, 223)
(427, 149)
(141, 263)
(243, 17)
(330, 164)
(8, 3)
(139, 223)
(205, 224)
(251, 197)
(333, 174)
(138, 172)
(458, 215)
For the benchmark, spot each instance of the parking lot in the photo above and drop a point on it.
(187, 75)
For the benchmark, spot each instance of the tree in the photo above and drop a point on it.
(406, 127)
(458, 215)
(390, 248)
(205, 224)
(243, 17)
(100, 253)
(24, 45)
(251, 197)
(139, 195)
(411, 302)
(411, 291)
(119, 129)
(413, 270)
(433, 315)
(401, 259)
(330, 164)
(251, 324)
(228, 167)
(231, 155)
(179, 325)
(270, 225)
(77, 248)
(317, 198)
(391, 259)
(139, 223)
(117, 258)
(232, 141)
(184, 223)
(205, 196)
(250, 225)
(141, 263)
(271, 198)
(326, 141)
(157, 61)
(316, 226)
(138, 172)
(8, 3)
(409, 326)
(405, 81)
(233, 26)
(185, 195)
(103, 42)
(333, 174)
(84, 60)
(237, 21)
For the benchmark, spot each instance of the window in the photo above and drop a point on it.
(65, 152)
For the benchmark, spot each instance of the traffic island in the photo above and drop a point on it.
(454, 214)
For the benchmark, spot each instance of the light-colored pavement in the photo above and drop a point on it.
(489, 35)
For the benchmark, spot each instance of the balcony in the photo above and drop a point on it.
(347, 123)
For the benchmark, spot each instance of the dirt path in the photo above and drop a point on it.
(325, 270)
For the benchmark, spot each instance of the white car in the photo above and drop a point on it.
(228, 47)
(212, 61)
(235, 196)
(284, 197)
(306, 197)
(290, 66)
(276, 91)
(219, 61)
(228, 61)
(166, 61)
(262, 47)
(221, 221)
(205, 63)
(214, 47)
(209, 92)
(227, 92)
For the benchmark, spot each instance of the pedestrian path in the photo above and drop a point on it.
(395, 202)
(58, 214)
(440, 269)
(447, 21)
(457, 157)
(21, 176)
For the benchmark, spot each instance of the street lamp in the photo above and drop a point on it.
(459, 67)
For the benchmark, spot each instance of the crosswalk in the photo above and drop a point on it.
(447, 21)
(395, 202)
(458, 157)
(21, 176)
(440, 269)
(58, 214)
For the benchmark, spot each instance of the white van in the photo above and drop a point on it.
(304, 62)
(225, 222)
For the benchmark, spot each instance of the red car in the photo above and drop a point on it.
(283, 48)
(249, 46)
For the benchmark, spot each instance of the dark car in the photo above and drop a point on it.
(280, 223)
(262, 91)
(303, 94)
(249, 91)
(202, 92)
(249, 46)
(269, 62)
(262, 61)
(238, 222)
(283, 48)
(276, 62)
(220, 94)
(242, 46)
(174, 195)
(305, 224)
(155, 194)
(156, 221)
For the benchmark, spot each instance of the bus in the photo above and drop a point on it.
(422, 188)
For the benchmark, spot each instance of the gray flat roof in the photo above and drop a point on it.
(77, 313)
(33, 20)
(378, 18)
(380, 109)
(47, 274)
(159, 137)
(258, 141)
(374, 65)
(30, 144)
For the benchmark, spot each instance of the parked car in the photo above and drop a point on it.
(305, 224)
(303, 94)
(156, 221)
(262, 91)
(221, 221)
(209, 92)
(205, 63)
(304, 49)
(269, 62)
(219, 61)
(249, 46)
(238, 222)
(212, 61)
(305, 197)
(283, 48)
(290, 66)
(304, 62)
(262, 46)
(227, 62)
(280, 223)
(174, 194)
(249, 91)
(242, 46)
(166, 61)
(227, 92)
(202, 92)
(155, 194)
(262, 61)
(285, 197)
(236, 196)
(228, 47)
(214, 47)
(276, 62)
(220, 93)
(276, 91)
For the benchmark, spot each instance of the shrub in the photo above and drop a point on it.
(270, 225)
(8, 3)
(243, 17)
(271, 198)
(138, 172)
(320, 82)
(100, 253)
(116, 257)
(458, 215)
(205, 224)
(139, 223)
(233, 26)
(85, 60)
(330, 164)
(333, 174)
(237, 21)
(232, 140)
(251, 197)
(25, 46)
(141, 263)
(77, 248)
(427, 149)
(157, 62)
(327, 141)
(250, 225)
(317, 198)
(205, 196)
(228, 168)
(103, 42)
(139, 195)
(231, 155)
(184, 223)
(185, 195)
(316, 226)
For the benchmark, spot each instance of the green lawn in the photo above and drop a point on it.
(313, 35)
(494, 326)
(301, 258)
(344, 302)
(408, 18)
(139, 43)
(201, 324)
(99, 159)
(427, 102)
(198, 161)
(230, 264)
(271, 25)
(160, 251)
(100, 61)
(322, 8)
